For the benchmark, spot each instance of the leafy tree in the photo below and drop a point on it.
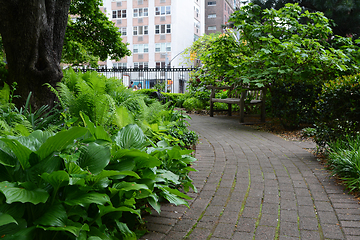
(218, 55)
(346, 14)
(90, 36)
(33, 35)
(277, 44)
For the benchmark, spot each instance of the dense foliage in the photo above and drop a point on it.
(91, 36)
(345, 14)
(344, 161)
(338, 113)
(90, 176)
(293, 102)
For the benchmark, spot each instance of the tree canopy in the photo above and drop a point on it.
(90, 36)
(269, 44)
(344, 13)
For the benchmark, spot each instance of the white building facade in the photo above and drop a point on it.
(157, 31)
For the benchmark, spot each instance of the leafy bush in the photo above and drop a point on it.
(177, 99)
(344, 161)
(293, 102)
(338, 110)
(82, 183)
(193, 103)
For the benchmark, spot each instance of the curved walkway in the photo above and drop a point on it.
(255, 185)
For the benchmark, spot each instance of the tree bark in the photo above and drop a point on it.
(33, 35)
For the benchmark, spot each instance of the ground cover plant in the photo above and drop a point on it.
(92, 177)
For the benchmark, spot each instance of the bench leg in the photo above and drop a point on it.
(211, 109)
(242, 108)
(229, 109)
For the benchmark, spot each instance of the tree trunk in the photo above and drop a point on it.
(33, 35)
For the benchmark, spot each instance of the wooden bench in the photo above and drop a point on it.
(243, 97)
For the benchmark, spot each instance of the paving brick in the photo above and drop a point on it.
(332, 231)
(269, 220)
(327, 217)
(224, 230)
(246, 225)
(306, 211)
(263, 232)
(310, 235)
(199, 234)
(308, 223)
(270, 208)
(288, 215)
(289, 229)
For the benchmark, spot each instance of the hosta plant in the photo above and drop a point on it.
(82, 183)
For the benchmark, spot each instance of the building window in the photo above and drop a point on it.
(140, 30)
(212, 28)
(163, 47)
(141, 64)
(213, 15)
(140, 48)
(164, 28)
(225, 6)
(119, 13)
(161, 65)
(141, 12)
(123, 31)
(212, 3)
(119, 65)
(164, 10)
(197, 12)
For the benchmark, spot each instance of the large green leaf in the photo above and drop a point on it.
(6, 219)
(71, 227)
(94, 157)
(7, 159)
(55, 216)
(153, 200)
(125, 231)
(60, 141)
(129, 186)
(56, 179)
(98, 132)
(122, 117)
(170, 176)
(21, 152)
(114, 174)
(20, 233)
(23, 192)
(109, 209)
(174, 196)
(84, 199)
(131, 136)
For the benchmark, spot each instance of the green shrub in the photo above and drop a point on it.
(83, 183)
(177, 99)
(344, 161)
(193, 103)
(293, 102)
(338, 109)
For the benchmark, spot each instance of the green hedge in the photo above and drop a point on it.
(293, 102)
(338, 109)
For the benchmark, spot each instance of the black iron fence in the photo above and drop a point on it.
(172, 79)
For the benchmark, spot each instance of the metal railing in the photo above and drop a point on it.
(174, 79)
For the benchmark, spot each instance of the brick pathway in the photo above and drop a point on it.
(255, 185)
